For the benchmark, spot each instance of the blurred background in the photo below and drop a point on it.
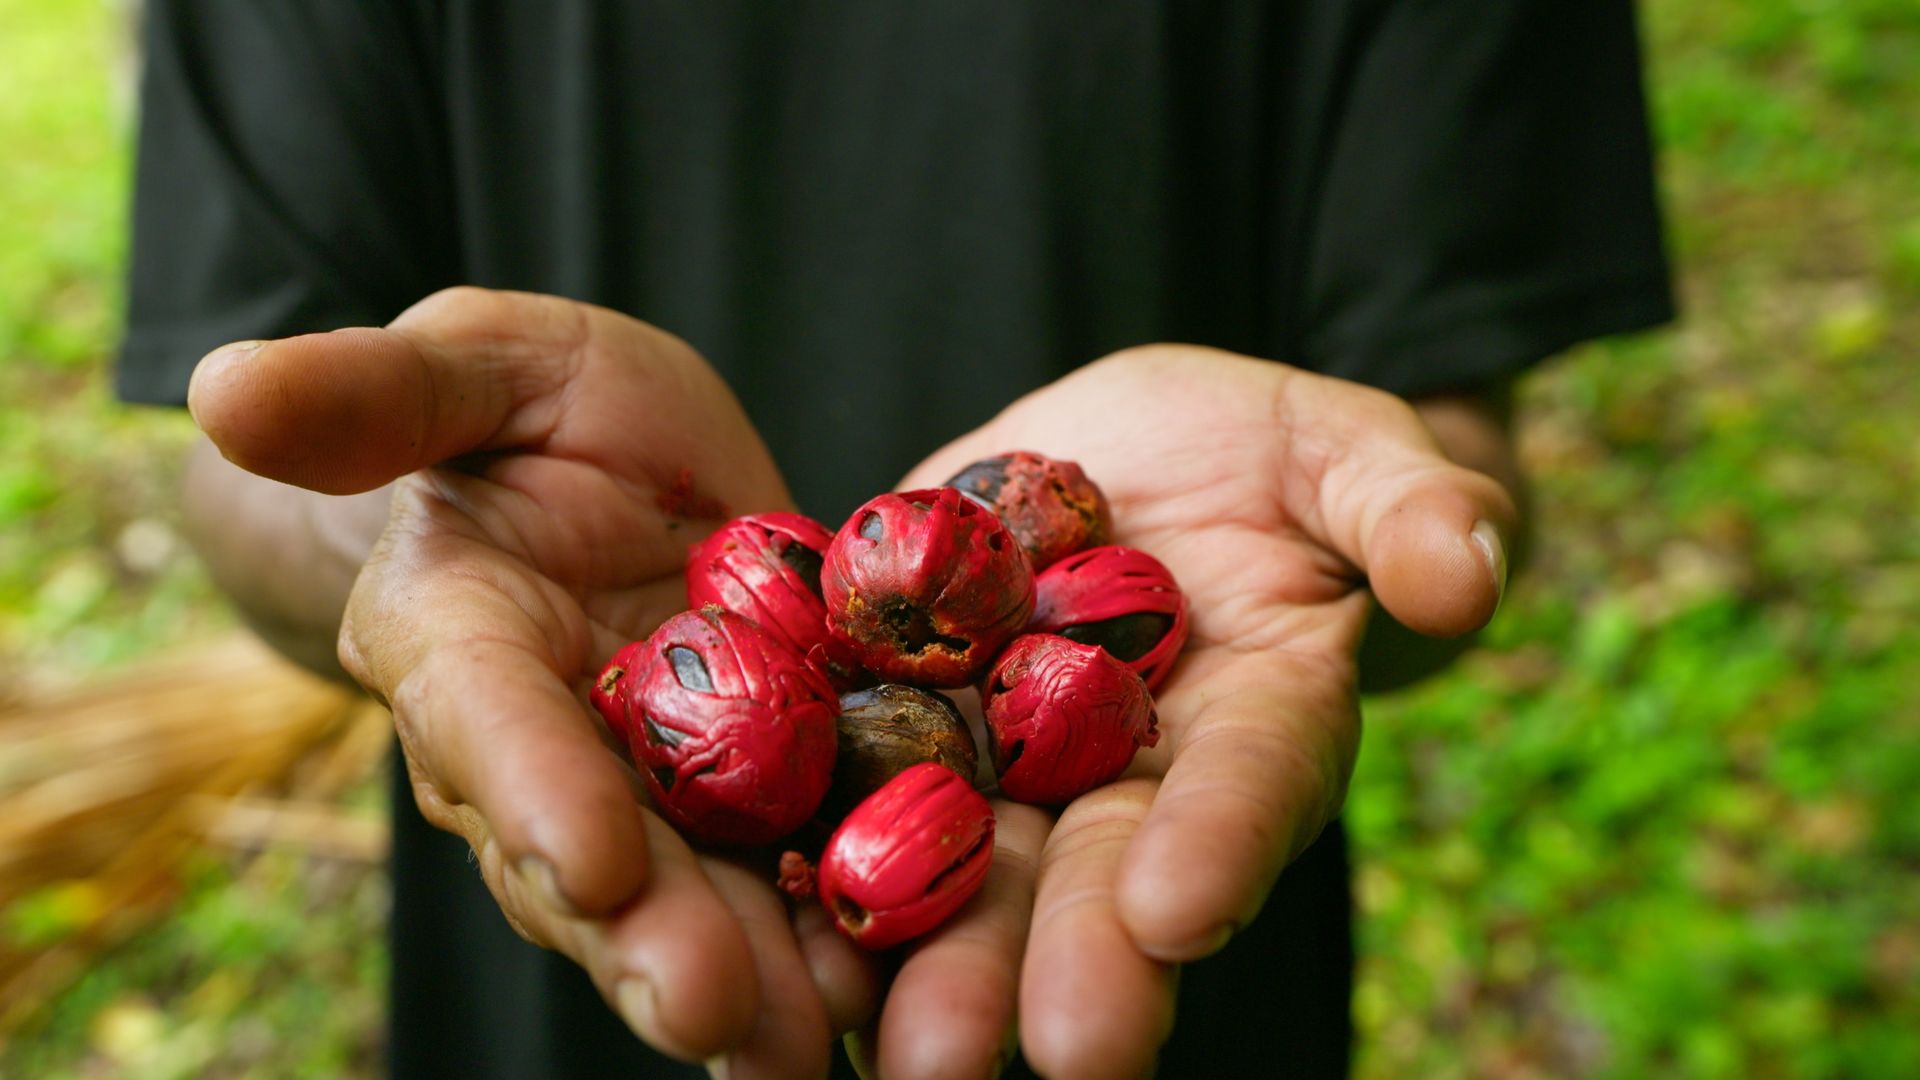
(1663, 822)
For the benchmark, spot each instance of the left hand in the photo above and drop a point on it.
(1285, 503)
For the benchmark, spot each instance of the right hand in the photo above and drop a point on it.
(543, 450)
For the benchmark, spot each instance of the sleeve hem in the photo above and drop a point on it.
(1472, 350)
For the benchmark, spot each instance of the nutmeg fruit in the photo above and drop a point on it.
(733, 730)
(906, 858)
(887, 729)
(925, 586)
(1119, 598)
(1063, 718)
(1049, 505)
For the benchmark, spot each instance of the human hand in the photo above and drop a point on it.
(1284, 503)
(554, 460)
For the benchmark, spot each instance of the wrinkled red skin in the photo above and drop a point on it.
(1063, 718)
(609, 695)
(1077, 596)
(743, 755)
(907, 857)
(926, 586)
(766, 567)
(1049, 505)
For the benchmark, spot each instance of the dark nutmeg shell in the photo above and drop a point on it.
(888, 729)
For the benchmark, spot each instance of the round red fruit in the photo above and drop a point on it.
(1063, 718)
(907, 857)
(1119, 598)
(925, 586)
(1049, 505)
(733, 729)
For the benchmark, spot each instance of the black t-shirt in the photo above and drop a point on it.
(881, 222)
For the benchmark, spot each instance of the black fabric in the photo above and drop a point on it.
(881, 222)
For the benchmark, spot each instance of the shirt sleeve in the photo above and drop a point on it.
(1484, 195)
(289, 178)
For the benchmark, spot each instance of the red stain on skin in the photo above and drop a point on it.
(682, 501)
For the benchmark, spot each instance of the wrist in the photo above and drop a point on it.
(286, 557)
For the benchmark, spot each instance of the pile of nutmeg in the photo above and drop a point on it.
(802, 686)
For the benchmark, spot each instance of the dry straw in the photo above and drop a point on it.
(107, 787)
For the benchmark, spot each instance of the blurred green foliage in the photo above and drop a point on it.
(91, 568)
(1658, 825)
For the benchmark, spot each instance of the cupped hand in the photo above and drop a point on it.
(553, 461)
(1285, 503)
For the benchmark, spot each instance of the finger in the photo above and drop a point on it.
(845, 975)
(469, 370)
(501, 736)
(1431, 536)
(689, 982)
(790, 1035)
(347, 411)
(951, 1008)
(1258, 772)
(1091, 1005)
(675, 966)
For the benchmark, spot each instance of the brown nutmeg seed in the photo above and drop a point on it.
(888, 729)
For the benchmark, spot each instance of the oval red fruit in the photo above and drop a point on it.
(907, 857)
(1119, 598)
(1063, 718)
(732, 729)
(767, 568)
(1049, 505)
(926, 586)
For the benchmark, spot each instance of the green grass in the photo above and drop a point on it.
(1658, 825)
(91, 567)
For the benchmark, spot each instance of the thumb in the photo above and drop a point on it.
(463, 370)
(1431, 536)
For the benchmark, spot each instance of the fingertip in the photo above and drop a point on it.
(339, 412)
(588, 833)
(1170, 917)
(1437, 558)
(212, 377)
(697, 987)
(846, 977)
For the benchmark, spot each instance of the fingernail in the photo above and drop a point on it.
(234, 351)
(1198, 948)
(638, 1006)
(211, 362)
(1487, 538)
(719, 1069)
(539, 878)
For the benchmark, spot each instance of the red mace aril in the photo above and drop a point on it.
(1119, 598)
(609, 696)
(1050, 506)
(1063, 718)
(904, 860)
(732, 729)
(926, 586)
(767, 568)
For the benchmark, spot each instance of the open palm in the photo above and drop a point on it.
(1284, 503)
(553, 462)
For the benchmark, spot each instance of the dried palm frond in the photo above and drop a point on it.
(106, 788)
